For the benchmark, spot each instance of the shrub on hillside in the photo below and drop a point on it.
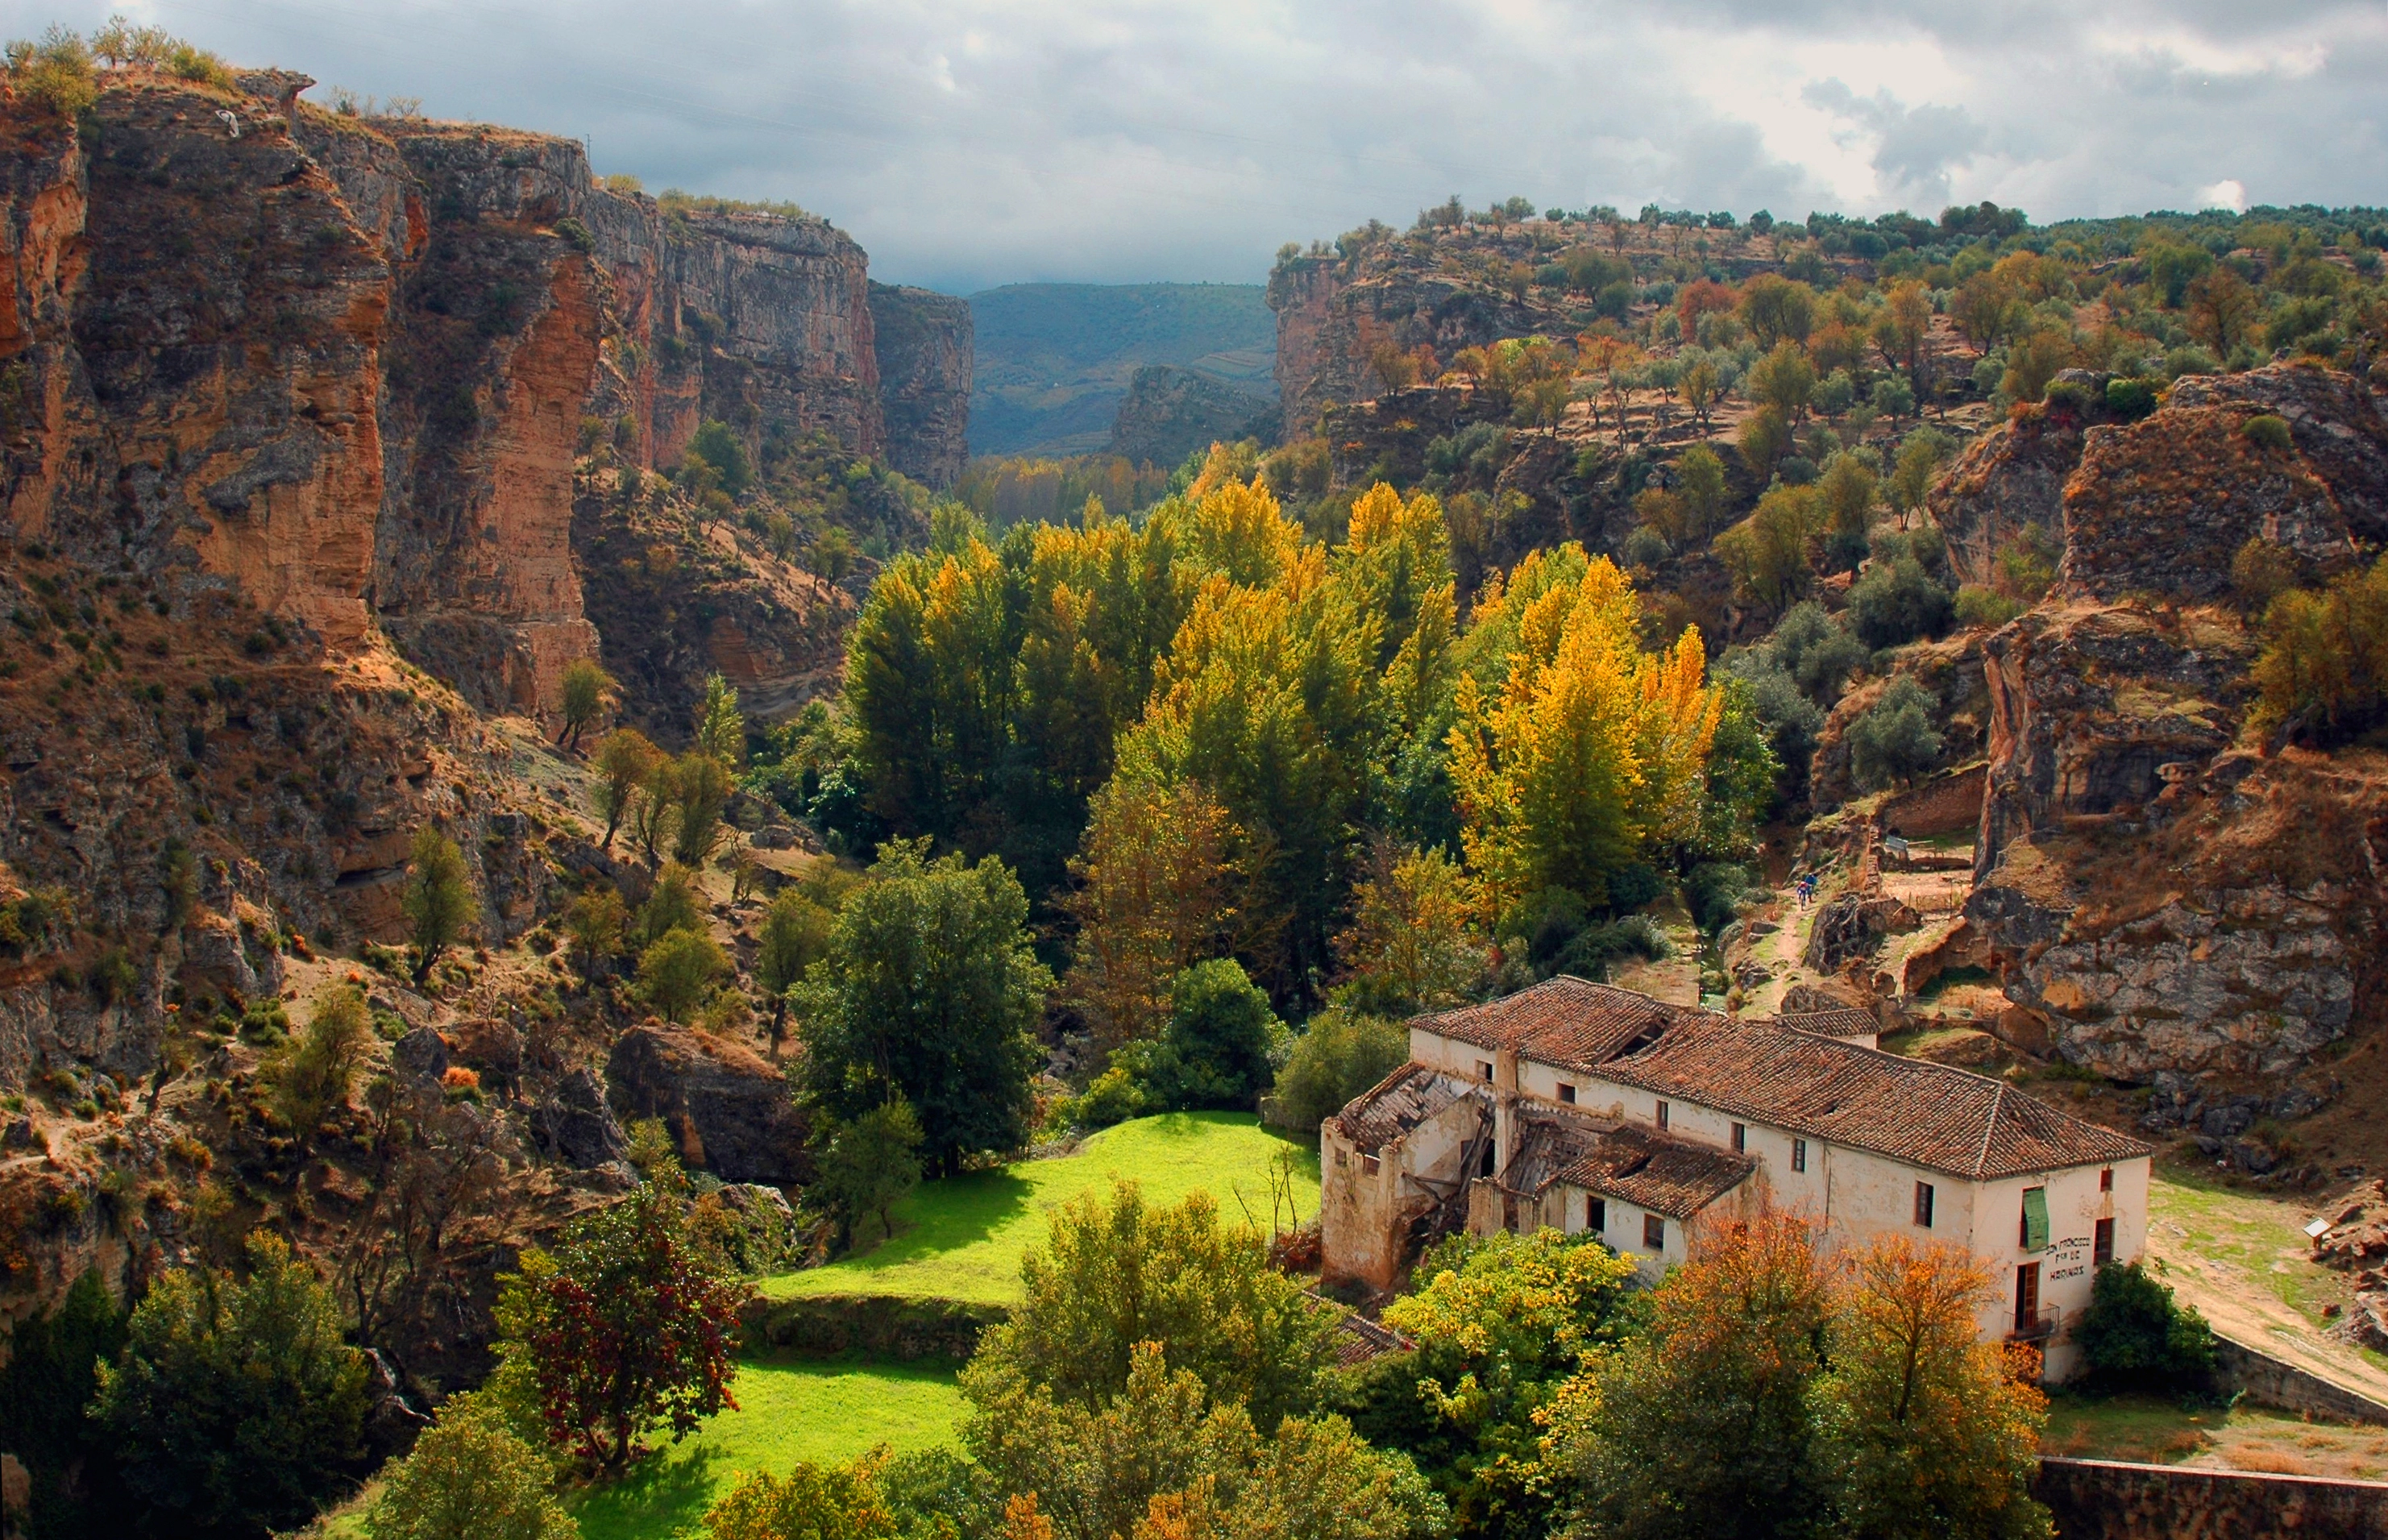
(2135, 1335)
(1342, 1054)
(1897, 602)
(2323, 672)
(469, 1477)
(236, 1406)
(1895, 740)
(1215, 1050)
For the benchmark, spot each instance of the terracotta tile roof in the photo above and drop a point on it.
(1358, 1339)
(1400, 1102)
(1564, 1021)
(1926, 1114)
(1665, 1176)
(1845, 1021)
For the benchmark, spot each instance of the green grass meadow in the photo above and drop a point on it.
(787, 1411)
(962, 1238)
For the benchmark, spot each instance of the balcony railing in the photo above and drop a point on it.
(2038, 1330)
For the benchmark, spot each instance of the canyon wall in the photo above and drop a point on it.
(343, 367)
(925, 358)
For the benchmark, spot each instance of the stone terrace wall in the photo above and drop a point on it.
(2109, 1500)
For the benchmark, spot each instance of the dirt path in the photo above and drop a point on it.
(2243, 1261)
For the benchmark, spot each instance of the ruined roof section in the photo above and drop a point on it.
(1564, 1021)
(1926, 1114)
(1400, 1102)
(1549, 1141)
(1358, 1340)
(1665, 1176)
(1845, 1021)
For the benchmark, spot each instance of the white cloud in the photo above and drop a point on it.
(972, 141)
(2225, 193)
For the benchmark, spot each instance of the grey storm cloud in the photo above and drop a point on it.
(967, 142)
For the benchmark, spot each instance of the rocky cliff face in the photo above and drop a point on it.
(1170, 413)
(1333, 314)
(2157, 897)
(923, 344)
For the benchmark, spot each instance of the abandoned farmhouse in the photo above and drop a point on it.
(1588, 1108)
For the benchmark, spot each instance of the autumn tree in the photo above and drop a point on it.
(2222, 310)
(1784, 381)
(1591, 750)
(1925, 1427)
(1152, 899)
(1704, 1425)
(629, 1325)
(1412, 944)
(438, 900)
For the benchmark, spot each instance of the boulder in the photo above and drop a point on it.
(729, 1109)
(2008, 478)
(421, 1055)
(773, 837)
(574, 1123)
(1851, 926)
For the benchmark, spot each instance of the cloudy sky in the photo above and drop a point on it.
(968, 142)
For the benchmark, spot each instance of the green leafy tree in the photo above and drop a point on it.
(1701, 483)
(597, 922)
(1214, 1052)
(1894, 741)
(438, 902)
(930, 991)
(468, 1477)
(236, 1406)
(52, 1372)
(678, 971)
(313, 1075)
(1920, 455)
(1784, 381)
(629, 1325)
(721, 728)
(1338, 1055)
(698, 785)
(1502, 1323)
(867, 1166)
(1896, 601)
(1165, 1456)
(1114, 1273)
(1777, 310)
(811, 1502)
(796, 930)
(675, 903)
(626, 762)
(719, 449)
(585, 688)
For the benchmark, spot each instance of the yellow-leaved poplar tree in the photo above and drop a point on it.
(1590, 751)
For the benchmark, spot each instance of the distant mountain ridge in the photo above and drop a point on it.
(1054, 361)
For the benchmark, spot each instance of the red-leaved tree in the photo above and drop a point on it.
(627, 1325)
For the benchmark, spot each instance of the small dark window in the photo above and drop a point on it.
(1654, 1233)
(1595, 1216)
(1662, 1114)
(1566, 1094)
(1924, 1204)
(1740, 1135)
(2102, 1248)
(1483, 1070)
(1798, 1154)
(1485, 1167)
(2106, 1180)
(1370, 1166)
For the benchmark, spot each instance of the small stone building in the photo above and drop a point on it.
(1588, 1108)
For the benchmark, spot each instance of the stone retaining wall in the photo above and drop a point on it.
(2267, 1381)
(2111, 1500)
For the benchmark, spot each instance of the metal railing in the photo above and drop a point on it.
(2039, 1330)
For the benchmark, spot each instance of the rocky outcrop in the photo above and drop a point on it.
(2161, 507)
(1334, 314)
(2094, 708)
(727, 1108)
(574, 1123)
(2334, 420)
(923, 344)
(1949, 671)
(2009, 479)
(1170, 413)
